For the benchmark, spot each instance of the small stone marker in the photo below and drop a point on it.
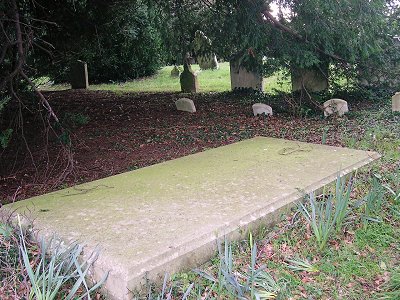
(185, 104)
(243, 78)
(188, 79)
(335, 106)
(79, 75)
(175, 72)
(396, 102)
(261, 108)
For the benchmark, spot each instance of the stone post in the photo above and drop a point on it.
(79, 75)
(396, 102)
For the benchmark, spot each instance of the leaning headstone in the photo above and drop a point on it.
(175, 72)
(188, 79)
(79, 75)
(243, 78)
(335, 106)
(396, 102)
(185, 104)
(313, 80)
(261, 108)
(204, 52)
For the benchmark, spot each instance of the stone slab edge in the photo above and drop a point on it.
(202, 248)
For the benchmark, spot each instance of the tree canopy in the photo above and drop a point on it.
(345, 33)
(125, 39)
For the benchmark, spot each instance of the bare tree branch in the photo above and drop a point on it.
(266, 16)
(42, 98)
(269, 17)
(18, 38)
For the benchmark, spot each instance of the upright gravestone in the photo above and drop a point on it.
(396, 102)
(312, 80)
(188, 79)
(79, 75)
(203, 49)
(243, 78)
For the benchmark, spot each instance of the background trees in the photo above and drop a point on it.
(348, 33)
(118, 39)
(125, 39)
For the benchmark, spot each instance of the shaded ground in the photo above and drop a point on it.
(113, 133)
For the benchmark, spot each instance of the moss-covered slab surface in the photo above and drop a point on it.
(167, 217)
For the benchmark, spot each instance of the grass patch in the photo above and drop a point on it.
(209, 81)
(378, 236)
(392, 289)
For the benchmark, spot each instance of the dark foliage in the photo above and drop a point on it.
(118, 39)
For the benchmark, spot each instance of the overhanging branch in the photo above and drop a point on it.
(267, 16)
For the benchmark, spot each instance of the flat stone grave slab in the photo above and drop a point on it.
(168, 217)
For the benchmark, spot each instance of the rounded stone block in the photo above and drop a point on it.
(335, 106)
(261, 108)
(185, 104)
